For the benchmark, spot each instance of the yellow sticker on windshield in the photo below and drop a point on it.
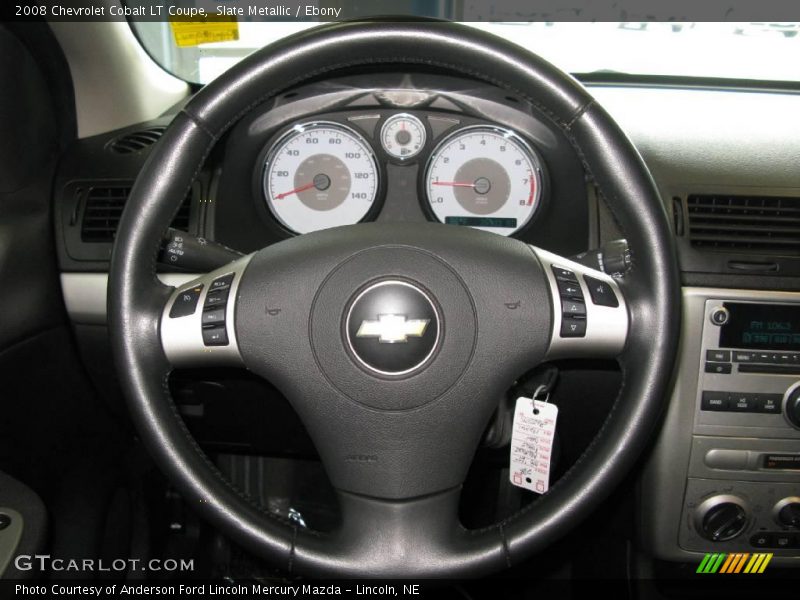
(203, 30)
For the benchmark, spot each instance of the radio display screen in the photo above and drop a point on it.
(761, 327)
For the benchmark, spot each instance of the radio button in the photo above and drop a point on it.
(719, 368)
(715, 401)
(718, 355)
(768, 403)
(743, 402)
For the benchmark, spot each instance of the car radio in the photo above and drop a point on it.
(743, 485)
(751, 364)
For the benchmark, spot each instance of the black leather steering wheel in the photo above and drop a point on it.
(396, 433)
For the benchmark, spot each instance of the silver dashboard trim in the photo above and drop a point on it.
(85, 295)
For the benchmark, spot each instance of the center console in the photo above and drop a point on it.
(730, 446)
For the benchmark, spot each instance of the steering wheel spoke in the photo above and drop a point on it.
(590, 312)
(392, 538)
(197, 322)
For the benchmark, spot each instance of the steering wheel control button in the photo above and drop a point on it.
(564, 274)
(569, 289)
(186, 303)
(719, 401)
(221, 283)
(718, 368)
(392, 327)
(216, 298)
(573, 308)
(215, 336)
(573, 327)
(720, 315)
(601, 292)
(214, 316)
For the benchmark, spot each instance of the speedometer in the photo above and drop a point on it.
(484, 177)
(320, 175)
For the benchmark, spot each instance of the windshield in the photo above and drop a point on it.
(746, 51)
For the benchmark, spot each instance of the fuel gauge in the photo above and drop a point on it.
(403, 136)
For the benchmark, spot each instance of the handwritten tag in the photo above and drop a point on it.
(532, 444)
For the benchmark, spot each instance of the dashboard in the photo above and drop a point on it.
(403, 148)
(415, 147)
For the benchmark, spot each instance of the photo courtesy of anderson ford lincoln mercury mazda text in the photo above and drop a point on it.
(511, 305)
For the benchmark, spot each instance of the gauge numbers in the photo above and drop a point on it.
(320, 175)
(484, 177)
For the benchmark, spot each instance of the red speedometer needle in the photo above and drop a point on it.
(302, 188)
(454, 183)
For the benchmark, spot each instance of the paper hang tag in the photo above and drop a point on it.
(532, 444)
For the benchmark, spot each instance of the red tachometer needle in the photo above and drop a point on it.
(454, 183)
(302, 188)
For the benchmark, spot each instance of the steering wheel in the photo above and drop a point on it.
(396, 424)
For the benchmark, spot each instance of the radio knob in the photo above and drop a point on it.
(720, 315)
(791, 407)
(787, 512)
(721, 518)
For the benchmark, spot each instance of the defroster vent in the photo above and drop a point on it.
(767, 225)
(137, 141)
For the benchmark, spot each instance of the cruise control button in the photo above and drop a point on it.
(214, 316)
(573, 327)
(186, 303)
(573, 307)
(564, 274)
(221, 282)
(714, 401)
(601, 292)
(720, 368)
(217, 298)
(570, 289)
(215, 336)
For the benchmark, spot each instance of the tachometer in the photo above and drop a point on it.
(320, 175)
(484, 177)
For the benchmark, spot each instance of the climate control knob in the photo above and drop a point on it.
(721, 518)
(787, 512)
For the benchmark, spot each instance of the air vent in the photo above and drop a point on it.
(768, 225)
(137, 141)
(103, 209)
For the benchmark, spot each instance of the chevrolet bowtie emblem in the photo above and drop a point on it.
(392, 329)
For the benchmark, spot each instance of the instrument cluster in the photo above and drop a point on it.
(332, 171)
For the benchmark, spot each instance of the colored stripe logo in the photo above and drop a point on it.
(744, 562)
